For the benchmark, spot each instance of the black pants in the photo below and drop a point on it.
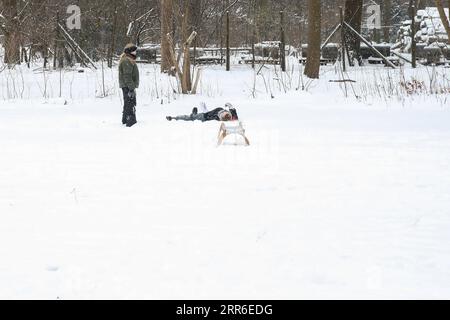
(129, 109)
(207, 116)
(198, 116)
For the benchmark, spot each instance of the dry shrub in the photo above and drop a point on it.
(414, 86)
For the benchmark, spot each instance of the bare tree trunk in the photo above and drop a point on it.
(343, 46)
(254, 27)
(314, 27)
(112, 45)
(12, 32)
(387, 19)
(195, 18)
(413, 34)
(56, 44)
(353, 16)
(186, 56)
(445, 20)
(264, 16)
(166, 28)
(228, 42)
(220, 35)
(282, 44)
(174, 62)
(253, 47)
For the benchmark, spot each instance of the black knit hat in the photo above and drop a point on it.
(129, 48)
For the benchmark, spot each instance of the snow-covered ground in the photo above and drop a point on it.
(335, 197)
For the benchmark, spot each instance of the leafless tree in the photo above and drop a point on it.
(11, 30)
(387, 19)
(313, 60)
(166, 28)
(353, 16)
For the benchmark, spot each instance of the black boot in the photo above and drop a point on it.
(131, 121)
(124, 118)
(131, 118)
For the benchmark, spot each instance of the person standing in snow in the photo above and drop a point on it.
(129, 82)
(228, 113)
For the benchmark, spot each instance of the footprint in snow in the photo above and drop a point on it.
(52, 268)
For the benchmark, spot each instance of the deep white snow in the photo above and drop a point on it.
(335, 198)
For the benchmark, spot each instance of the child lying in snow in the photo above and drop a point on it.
(220, 114)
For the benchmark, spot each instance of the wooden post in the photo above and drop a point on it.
(413, 34)
(378, 53)
(195, 52)
(221, 40)
(387, 19)
(103, 80)
(228, 41)
(338, 27)
(186, 49)
(30, 55)
(376, 35)
(253, 54)
(444, 19)
(253, 43)
(75, 47)
(401, 57)
(282, 44)
(55, 47)
(300, 36)
(60, 82)
(166, 28)
(341, 15)
(112, 46)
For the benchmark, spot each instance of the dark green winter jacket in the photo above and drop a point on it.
(128, 73)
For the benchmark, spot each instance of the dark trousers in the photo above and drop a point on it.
(199, 116)
(129, 109)
(207, 116)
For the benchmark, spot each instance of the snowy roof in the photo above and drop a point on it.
(431, 20)
(436, 45)
(274, 45)
(268, 44)
(430, 27)
(150, 46)
(430, 12)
